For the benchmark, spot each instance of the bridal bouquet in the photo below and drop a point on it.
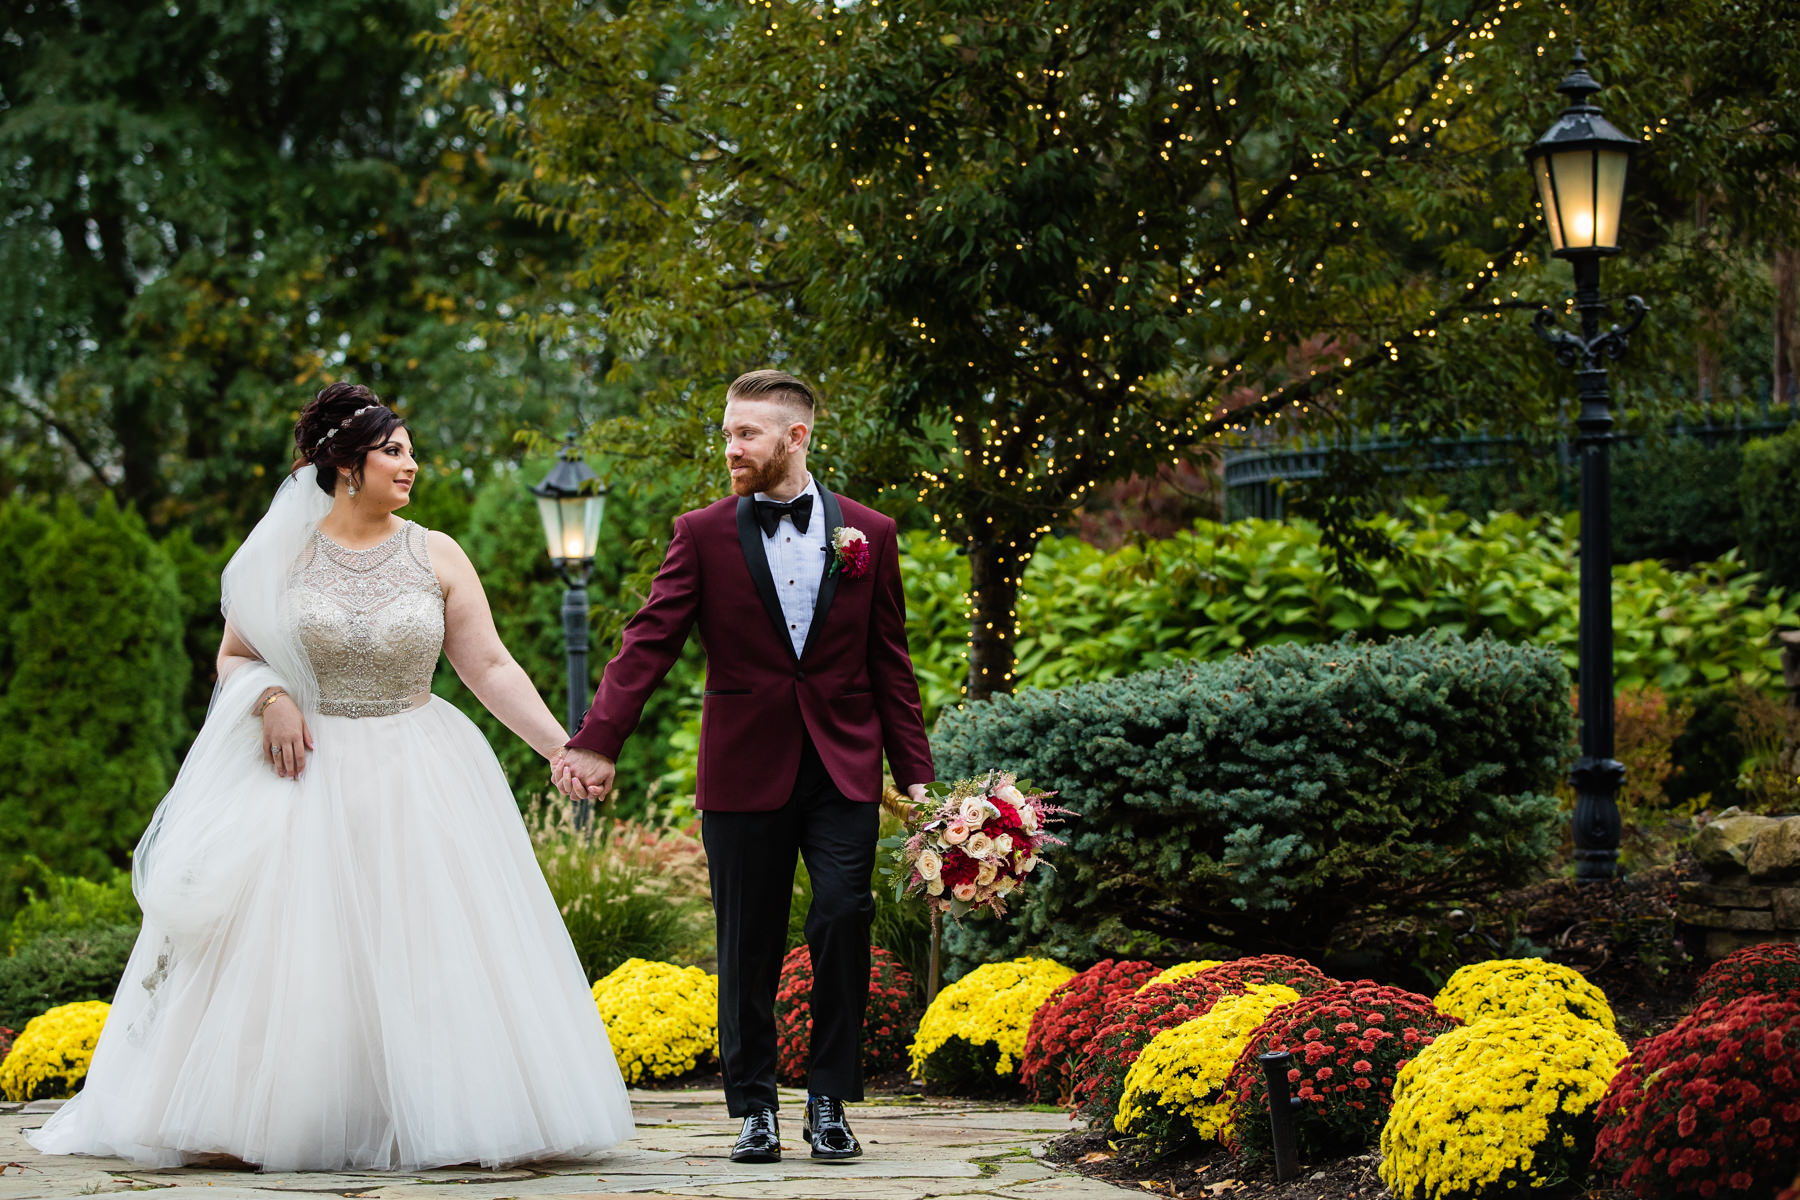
(972, 844)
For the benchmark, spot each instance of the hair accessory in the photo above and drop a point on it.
(344, 424)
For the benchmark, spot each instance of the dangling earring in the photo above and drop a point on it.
(353, 491)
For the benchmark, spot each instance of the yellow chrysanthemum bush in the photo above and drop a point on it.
(1180, 971)
(663, 1019)
(973, 1035)
(1175, 1091)
(50, 1057)
(1504, 1103)
(1517, 987)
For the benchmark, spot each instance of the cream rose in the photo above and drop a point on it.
(975, 810)
(964, 892)
(956, 833)
(1003, 843)
(1010, 794)
(1005, 884)
(1028, 818)
(930, 865)
(1031, 861)
(984, 874)
(980, 845)
(934, 887)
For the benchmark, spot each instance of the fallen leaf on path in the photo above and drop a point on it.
(1096, 1156)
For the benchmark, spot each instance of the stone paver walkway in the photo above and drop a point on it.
(914, 1148)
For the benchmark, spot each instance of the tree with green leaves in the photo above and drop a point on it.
(213, 210)
(1028, 249)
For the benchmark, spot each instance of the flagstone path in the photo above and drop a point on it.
(915, 1148)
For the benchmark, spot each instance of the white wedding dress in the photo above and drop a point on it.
(390, 985)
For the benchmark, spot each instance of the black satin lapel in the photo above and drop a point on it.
(750, 538)
(828, 580)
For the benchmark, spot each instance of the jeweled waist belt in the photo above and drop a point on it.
(333, 707)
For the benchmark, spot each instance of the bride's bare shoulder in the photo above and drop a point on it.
(448, 558)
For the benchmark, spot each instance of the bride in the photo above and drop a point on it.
(349, 957)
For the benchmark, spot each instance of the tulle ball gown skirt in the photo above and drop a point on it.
(391, 988)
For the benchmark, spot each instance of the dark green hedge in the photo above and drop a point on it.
(1263, 800)
(61, 968)
(1769, 487)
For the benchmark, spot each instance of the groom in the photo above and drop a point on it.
(808, 681)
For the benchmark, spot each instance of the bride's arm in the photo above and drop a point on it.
(481, 659)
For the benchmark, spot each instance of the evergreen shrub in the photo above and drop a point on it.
(1675, 499)
(91, 701)
(1267, 798)
(1769, 487)
(63, 968)
(71, 904)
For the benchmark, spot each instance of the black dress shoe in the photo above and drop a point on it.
(827, 1130)
(760, 1141)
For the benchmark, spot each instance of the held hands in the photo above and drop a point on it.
(582, 774)
(286, 738)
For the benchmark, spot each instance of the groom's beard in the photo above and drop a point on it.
(761, 479)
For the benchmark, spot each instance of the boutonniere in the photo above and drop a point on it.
(849, 553)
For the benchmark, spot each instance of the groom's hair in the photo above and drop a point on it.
(773, 385)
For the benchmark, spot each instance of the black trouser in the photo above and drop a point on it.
(751, 859)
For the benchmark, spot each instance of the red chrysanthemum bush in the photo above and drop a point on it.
(1711, 1108)
(1770, 968)
(1061, 1028)
(1348, 1042)
(888, 1022)
(1131, 1021)
(1296, 973)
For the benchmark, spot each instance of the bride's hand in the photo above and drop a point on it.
(286, 738)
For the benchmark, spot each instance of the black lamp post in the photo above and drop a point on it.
(1580, 165)
(571, 500)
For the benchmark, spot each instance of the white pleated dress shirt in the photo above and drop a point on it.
(797, 561)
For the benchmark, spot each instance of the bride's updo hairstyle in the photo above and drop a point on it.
(338, 429)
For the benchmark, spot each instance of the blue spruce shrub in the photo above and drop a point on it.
(1264, 800)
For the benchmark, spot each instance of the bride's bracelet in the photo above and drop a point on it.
(267, 700)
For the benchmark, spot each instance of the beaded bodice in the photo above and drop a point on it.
(371, 622)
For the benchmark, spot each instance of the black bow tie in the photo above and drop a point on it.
(770, 512)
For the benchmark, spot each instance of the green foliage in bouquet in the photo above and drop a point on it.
(1264, 800)
(62, 968)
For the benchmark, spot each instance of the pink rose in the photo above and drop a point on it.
(964, 892)
(956, 833)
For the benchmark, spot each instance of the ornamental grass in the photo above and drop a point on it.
(973, 1035)
(1176, 1093)
(663, 1020)
(1062, 1026)
(1518, 987)
(1349, 1042)
(49, 1059)
(1768, 968)
(888, 1021)
(1710, 1108)
(1505, 1103)
(1131, 1021)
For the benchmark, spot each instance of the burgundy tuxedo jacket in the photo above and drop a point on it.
(851, 688)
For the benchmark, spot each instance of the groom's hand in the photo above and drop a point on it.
(585, 775)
